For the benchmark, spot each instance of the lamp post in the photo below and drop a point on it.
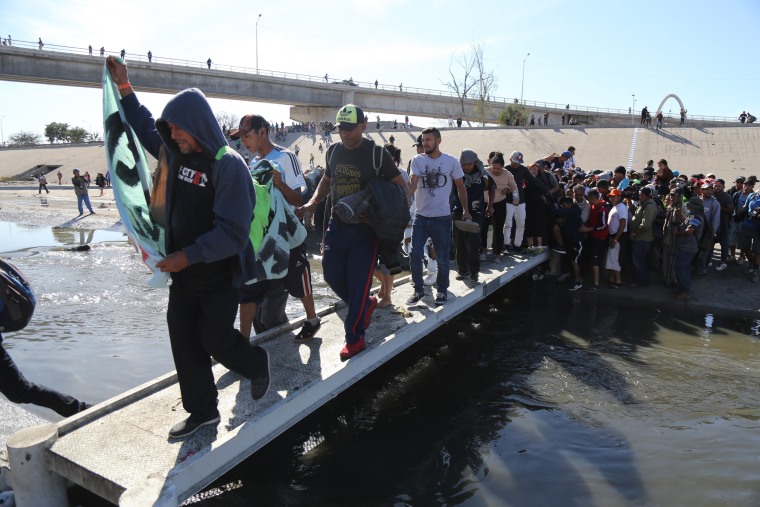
(257, 43)
(633, 109)
(522, 87)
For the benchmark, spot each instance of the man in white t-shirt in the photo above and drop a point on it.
(617, 227)
(254, 133)
(433, 175)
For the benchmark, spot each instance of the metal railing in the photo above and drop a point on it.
(569, 109)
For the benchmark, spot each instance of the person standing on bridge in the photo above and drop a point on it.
(40, 43)
(289, 181)
(123, 54)
(434, 175)
(102, 51)
(351, 250)
(208, 62)
(326, 77)
(150, 56)
(209, 209)
(89, 48)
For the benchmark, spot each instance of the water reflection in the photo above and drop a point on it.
(16, 238)
(533, 398)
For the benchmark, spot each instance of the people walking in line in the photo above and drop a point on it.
(210, 199)
(351, 249)
(288, 179)
(434, 175)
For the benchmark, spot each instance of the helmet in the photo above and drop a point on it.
(16, 298)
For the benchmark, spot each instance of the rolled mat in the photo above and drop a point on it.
(467, 225)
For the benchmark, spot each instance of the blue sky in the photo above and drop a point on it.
(591, 53)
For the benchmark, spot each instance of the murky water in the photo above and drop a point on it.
(98, 329)
(531, 398)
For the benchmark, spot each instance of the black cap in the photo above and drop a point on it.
(419, 141)
(247, 123)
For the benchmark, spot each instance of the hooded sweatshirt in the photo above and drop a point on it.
(209, 194)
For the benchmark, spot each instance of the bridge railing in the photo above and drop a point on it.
(569, 109)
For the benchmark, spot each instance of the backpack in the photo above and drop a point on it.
(707, 240)
(659, 218)
(388, 212)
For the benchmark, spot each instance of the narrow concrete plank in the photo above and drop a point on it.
(122, 444)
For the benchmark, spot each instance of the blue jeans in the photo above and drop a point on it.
(640, 255)
(348, 264)
(439, 230)
(682, 269)
(86, 199)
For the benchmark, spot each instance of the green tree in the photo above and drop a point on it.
(56, 132)
(513, 114)
(24, 139)
(76, 135)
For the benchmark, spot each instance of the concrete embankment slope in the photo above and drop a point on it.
(725, 151)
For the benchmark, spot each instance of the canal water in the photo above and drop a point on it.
(534, 397)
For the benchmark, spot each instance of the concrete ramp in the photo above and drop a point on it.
(726, 151)
(120, 449)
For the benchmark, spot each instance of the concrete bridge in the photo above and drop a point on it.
(311, 98)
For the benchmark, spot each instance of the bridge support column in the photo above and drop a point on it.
(303, 114)
(34, 484)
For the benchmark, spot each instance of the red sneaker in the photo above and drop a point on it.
(351, 349)
(370, 311)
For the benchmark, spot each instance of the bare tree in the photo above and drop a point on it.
(463, 81)
(486, 84)
(227, 121)
(471, 79)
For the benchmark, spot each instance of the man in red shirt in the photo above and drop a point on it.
(596, 227)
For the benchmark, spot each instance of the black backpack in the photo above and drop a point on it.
(707, 240)
(389, 211)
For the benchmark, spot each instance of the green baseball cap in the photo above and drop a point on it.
(349, 116)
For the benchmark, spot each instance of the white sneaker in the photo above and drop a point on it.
(721, 266)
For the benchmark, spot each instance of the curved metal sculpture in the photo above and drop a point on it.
(673, 95)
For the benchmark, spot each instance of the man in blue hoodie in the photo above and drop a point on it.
(208, 213)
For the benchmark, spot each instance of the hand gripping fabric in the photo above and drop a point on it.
(131, 181)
